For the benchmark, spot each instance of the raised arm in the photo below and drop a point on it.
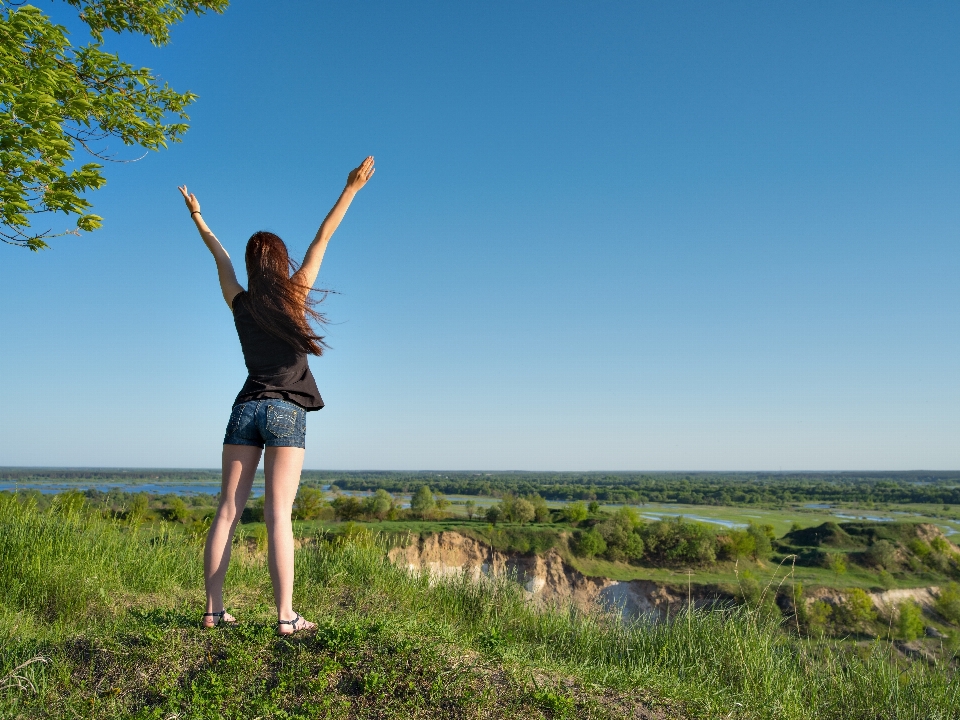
(307, 274)
(228, 278)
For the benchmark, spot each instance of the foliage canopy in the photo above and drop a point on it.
(55, 96)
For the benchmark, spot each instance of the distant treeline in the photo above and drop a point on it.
(690, 488)
(694, 489)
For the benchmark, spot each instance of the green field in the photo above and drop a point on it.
(100, 619)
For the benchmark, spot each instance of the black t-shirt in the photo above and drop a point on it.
(275, 368)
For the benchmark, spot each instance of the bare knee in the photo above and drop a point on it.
(276, 516)
(227, 514)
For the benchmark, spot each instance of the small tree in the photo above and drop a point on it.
(819, 614)
(859, 607)
(541, 511)
(422, 501)
(948, 603)
(494, 514)
(523, 511)
(506, 506)
(634, 547)
(838, 563)
(470, 507)
(762, 535)
(307, 504)
(178, 510)
(737, 544)
(381, 503)
(575, 512)
(909, 620)
(882, 554)
(139, 506)
(347, 507)
(594, 507)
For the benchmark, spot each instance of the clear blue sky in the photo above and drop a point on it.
(601, 236)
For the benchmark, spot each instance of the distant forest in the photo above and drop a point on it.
(690, 488)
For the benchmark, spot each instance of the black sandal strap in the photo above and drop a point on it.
(291, 623)
(217, 615)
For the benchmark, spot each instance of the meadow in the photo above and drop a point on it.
(99, 617)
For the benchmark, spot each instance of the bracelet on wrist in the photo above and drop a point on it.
(195, 212)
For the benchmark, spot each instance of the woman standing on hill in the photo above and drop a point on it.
(273, 322)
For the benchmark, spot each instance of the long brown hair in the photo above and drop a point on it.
(279, 304)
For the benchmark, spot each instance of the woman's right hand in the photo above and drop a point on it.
(193, 205)
(358, 176)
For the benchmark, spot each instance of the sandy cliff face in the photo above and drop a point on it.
(545, 578)
(885, 600)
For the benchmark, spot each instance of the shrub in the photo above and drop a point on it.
(178, 510)
(938, 561)
(838, 563)
(347, 507)
(615, 531)
(253, 513)
(886, 579)
(909, 620)
(589, 543)
(618, 533)
(762, 535)
(749, 588)
(139, 505)
(634, 547)
(819, 615)
(677, 541)
(736, 544)
(941, 545)
(881, 554)
(494, 514)
(919, 548)
(948, 603)
(857, 608)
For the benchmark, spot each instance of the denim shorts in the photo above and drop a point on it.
(267, 422)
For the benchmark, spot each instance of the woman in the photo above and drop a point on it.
(273, 322)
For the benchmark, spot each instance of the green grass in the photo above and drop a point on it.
(112, 611)
(726, 574)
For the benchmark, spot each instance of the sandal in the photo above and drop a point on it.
(220, 619)
(293, 624)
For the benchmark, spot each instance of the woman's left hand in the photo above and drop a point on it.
(193, 205)
(358, 176)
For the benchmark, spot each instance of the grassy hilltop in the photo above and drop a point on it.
(100, 618)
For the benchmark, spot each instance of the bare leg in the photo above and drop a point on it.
(281, 466)
(239, 466)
